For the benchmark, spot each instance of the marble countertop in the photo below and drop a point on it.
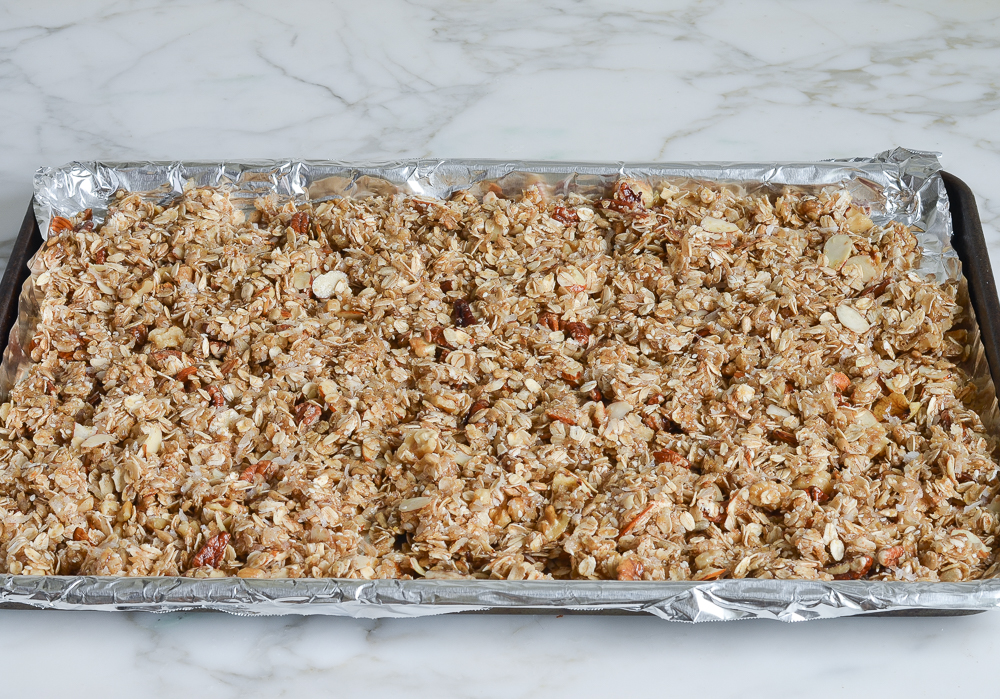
(642, 80)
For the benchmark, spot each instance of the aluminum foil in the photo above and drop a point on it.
(899, 185)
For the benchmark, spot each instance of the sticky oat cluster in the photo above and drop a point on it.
(673, 382)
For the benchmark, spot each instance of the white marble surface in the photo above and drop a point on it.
(674, 79)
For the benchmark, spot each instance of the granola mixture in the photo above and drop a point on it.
(669, 383)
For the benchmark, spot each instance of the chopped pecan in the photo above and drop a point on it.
(817, 494)
(80, 534)
(595, 395)
(560, 415)
(436, 336)
(630, 569)
(859, 569)
(476, 407)
(60, 224)
(264, 468)
(654, 421)
(101, 256)
(186, 373)
(840, 380)
(300, 222)
(669, 456)
(228, 366)
(218, 400)
(139, 333)
(212, 553)
(578, 331)
(307, 413)
(550, 320)
(463, 314)
(447, 285)
(876, 290)
(625, 198)
(785, 436)
(564, 215)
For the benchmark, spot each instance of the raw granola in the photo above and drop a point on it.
(685, 381)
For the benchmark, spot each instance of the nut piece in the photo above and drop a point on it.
(630, 569)
(864, 263)
(414, 504)
(718, 225)
(332, 283)
(212, 553)
(564, 215)
(550, 320)
(263, 468)
(463, 314)
(578, 331)
(837, 250)
(852, 320)
(300, 222)
(840, 381)
(167, 337)
(669, 456)
(308, 413)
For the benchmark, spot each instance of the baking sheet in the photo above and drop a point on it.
(899, 185)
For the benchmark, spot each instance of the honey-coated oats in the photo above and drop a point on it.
(670, 382)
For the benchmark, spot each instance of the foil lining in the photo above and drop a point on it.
(899, 185)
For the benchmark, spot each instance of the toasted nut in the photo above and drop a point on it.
(60, 224)
(669, 456)
(859, 223)
(218, 400)
(139, 335)
(630, 569)
(263, 468)
(852, 320)
(889, 557)
(864, 263)
(785, 436)
(212, 553)
(186, 373)
(837, 250)
(578, 331)
(463, 314)
(550, 320)
(718, 225)
(817, 494)
(332, 283)
(564, 215)
(859, 569)
(839, 380)
(300, 222)
(308, 413)
(167, 337)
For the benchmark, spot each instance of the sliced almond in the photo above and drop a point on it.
(619, 410)
(859, 223)
(81, 433)
(852, 320)
(864, 263)
(718, 225)
(97, 440)
(837, 250)
(154, 438)
(414, 504)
